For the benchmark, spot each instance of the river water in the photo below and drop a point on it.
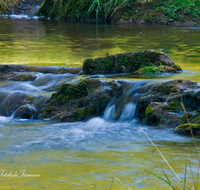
(86, 155)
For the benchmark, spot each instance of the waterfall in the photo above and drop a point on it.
(109, 113)
(123, 108)
(128, 112)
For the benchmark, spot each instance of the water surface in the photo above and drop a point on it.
(86, 155)
(35, 41)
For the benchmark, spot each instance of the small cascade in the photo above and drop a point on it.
(128, 112)
(14, 94)
(109, 113)
(12, 101)
(123, 108)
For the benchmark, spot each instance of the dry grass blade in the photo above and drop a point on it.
(183, 106)
(111, 183)
(11, 186)
(162, 156)
(119, 182)
(192, 176)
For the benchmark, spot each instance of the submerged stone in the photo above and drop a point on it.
(148, 61)
(13, 101)
(22, 77)
(26, 112)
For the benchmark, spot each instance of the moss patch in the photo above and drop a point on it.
(83, 113)
(160, 12)
(149, 112)
(151, 117)
(173, 105)
(70, 92)
(165, 89)
(148, 70)
(185, 128)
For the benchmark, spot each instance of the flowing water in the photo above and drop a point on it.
(86, 155)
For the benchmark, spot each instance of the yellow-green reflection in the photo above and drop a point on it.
(67, 169)
(39, 42)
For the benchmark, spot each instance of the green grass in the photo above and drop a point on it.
(81, 9)
(149, 11)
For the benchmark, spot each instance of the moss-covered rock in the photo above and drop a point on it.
(69, 92)
(194, 123)
(185, 129)
(79, 101)
(161, 113)
(153, 111)
(160, 105)
(148, 61)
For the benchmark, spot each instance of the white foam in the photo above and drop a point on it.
(14, 16)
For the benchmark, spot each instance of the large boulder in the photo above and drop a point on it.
(81, 100)
(161, 113)
(162, 105)
(170, 92)
(148, 61)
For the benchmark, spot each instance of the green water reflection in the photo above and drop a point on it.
(67, 169)
(62, 43)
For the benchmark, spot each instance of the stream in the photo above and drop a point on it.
(86, 155)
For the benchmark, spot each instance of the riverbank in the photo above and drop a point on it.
(29, 7)
(131, 12)
(125, 12)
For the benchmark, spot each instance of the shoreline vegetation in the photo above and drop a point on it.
(172, 12)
